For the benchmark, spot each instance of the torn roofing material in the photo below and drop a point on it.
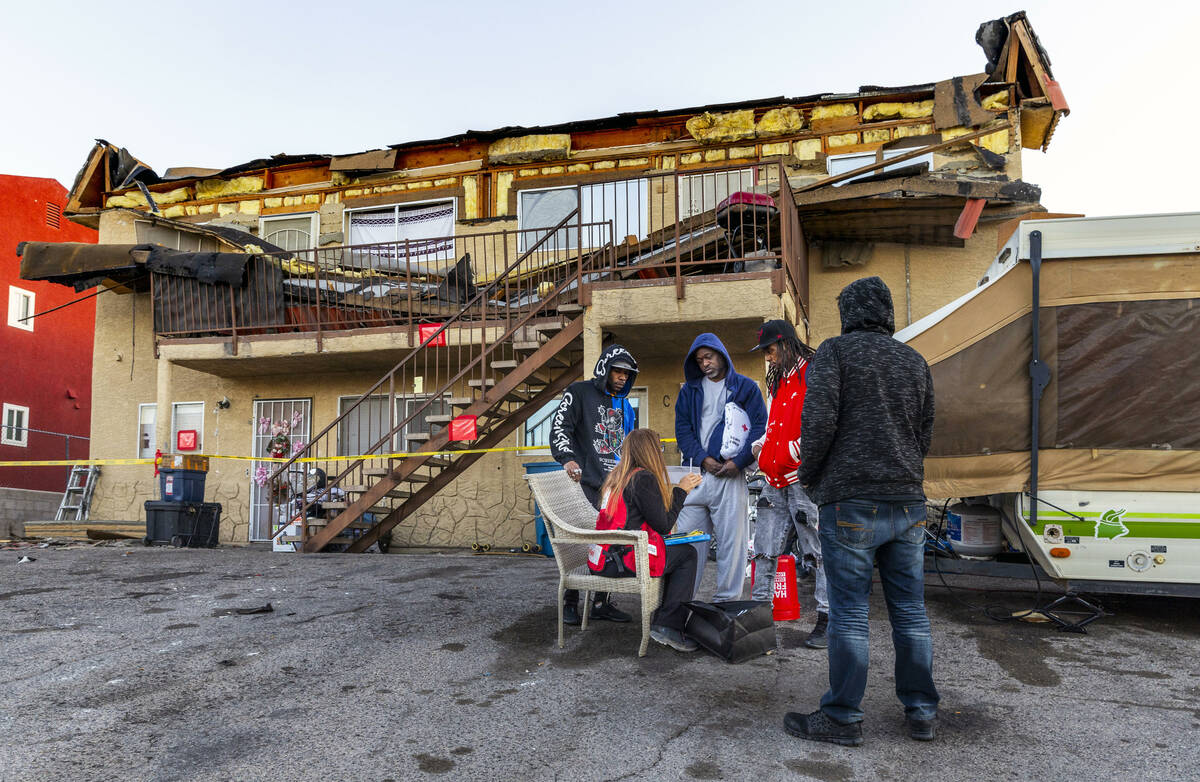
(1004, 41)
(84, 265)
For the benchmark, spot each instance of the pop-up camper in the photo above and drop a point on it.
(1098, 320)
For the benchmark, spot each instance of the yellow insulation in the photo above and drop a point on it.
(912, 110)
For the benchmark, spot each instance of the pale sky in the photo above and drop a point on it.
(219, 83)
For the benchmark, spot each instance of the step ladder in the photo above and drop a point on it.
(77, 499)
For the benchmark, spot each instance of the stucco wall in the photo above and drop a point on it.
(937, 276)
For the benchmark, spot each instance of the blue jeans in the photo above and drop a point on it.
(856, 534)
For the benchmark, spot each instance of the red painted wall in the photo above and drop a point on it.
(49, 369)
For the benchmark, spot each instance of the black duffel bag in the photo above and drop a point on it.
(736, 631)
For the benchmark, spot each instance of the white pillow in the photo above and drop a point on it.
(737, 431)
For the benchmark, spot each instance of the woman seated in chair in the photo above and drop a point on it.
(636, 496)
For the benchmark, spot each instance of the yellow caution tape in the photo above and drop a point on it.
(284, 460)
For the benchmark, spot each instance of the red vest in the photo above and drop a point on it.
(614, 516)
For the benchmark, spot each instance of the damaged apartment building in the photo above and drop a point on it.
(434, 298)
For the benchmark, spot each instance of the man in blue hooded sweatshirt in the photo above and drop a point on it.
(720, 505)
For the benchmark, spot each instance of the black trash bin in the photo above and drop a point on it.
(183, 524)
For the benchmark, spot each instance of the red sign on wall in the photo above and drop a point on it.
(427, 330)
(463, 427)
(185, 440)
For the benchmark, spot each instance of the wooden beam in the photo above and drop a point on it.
(901, 158)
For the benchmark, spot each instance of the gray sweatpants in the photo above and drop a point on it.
(720, 507)
(784, 511)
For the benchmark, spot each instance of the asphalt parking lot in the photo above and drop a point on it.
(134, 664)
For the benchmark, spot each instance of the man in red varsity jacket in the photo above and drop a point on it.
(784, 508)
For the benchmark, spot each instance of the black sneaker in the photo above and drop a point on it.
(609, 613)
(571, 614)
(819, 726)
(669, 636)
(922, 730)
(819, 637)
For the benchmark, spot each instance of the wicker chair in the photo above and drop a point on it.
(571, 525)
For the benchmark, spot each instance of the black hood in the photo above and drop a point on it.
(866, 305)
(614, 354)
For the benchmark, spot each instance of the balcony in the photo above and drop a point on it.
(661, 229)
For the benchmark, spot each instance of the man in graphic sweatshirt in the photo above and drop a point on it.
(586, 433)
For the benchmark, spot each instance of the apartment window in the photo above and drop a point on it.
(700, 193)
(151, 233)
(420, 424)
(626, 204)
(363, 425)
(20, 308)
(290, 232)
(16, 425)
(428, 227)
(188, 416)
(840, 164)
(146, 445)
(537, 426)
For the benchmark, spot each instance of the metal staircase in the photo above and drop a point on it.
(513, 347)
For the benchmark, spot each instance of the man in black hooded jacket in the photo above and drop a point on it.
(586, 433)
(868, 422)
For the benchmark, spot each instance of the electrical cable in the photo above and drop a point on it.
(993, 610)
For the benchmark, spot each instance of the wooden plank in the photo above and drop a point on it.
(375, 160)
(901, 158)
(956, 102)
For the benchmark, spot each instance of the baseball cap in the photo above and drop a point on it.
(773, 331)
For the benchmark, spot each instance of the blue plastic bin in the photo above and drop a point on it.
(543, 539)
(181, 485)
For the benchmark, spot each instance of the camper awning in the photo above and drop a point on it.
(1118, 334)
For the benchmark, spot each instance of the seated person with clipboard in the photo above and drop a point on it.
(636, 496)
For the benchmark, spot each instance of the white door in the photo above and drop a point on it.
(290, 418)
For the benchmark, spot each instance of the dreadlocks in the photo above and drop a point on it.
(791, 351)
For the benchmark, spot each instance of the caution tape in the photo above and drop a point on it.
(284, 460)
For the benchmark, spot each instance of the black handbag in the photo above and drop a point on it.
(736, 631)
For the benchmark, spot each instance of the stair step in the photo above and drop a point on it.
(461, 401)
(477, 383)
(526, 347)
(361, 488)
(320, 524)
(417, 437)
(342, 505)
(507, 364)
(438, 419)
(570, 309)
(297, 539)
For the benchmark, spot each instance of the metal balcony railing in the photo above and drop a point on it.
(663, 227)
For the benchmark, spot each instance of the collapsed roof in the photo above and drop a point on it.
(1014, 57)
